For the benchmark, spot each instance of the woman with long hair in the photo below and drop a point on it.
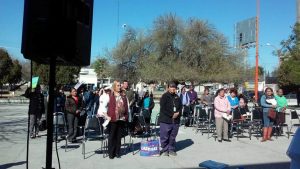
(118, 112)
(266, 106)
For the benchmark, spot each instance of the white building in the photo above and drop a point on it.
(88, 76)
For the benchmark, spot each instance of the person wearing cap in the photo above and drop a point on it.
(169, 118)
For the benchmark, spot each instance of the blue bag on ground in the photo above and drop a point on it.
(213, 165)
(149, 148)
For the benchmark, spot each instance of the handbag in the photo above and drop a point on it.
(272, 114)
(150, 148)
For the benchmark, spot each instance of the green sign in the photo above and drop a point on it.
(34, 81)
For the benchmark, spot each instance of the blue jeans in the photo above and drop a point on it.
(267, 121)
(168, 133)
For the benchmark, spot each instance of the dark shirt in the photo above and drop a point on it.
(208, 98)
(167, 103)
(36, 104)
(71, 106)
(193, 96)
(131, 97)
(59, 103)
(239, 111)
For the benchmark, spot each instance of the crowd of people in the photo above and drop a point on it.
(227, 104)
(117, 105)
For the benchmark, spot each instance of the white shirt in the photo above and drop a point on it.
(103, 104)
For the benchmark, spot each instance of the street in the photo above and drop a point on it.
(192, 149)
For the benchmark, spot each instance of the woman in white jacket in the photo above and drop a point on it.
(103, 105)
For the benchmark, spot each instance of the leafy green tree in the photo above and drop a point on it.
(101, 66)
(289, 70)
(6, 64)
(174, 49)
(15, 74)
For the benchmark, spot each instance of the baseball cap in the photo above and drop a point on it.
(107, 88)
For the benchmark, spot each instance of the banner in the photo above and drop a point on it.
(78, 85)
(150, 148)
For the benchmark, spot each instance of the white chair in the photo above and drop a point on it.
(294, 120)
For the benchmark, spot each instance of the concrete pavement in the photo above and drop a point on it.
(191, 148)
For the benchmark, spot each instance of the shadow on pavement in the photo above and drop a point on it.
(8, 165)
(12, 128)
(182, 144)
(70, 147)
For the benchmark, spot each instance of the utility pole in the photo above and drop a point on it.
(298, 11)
(257, 54)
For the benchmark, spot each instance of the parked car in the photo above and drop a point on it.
(291, 99)
(160, 88)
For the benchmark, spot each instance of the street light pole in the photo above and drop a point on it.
(278, 51)
(257, 54)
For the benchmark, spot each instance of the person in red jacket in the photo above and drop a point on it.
(118, 112)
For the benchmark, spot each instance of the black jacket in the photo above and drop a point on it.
(36, 104)
(167, 103)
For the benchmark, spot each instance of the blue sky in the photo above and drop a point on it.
(276, 19)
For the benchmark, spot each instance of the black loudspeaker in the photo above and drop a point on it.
(58, 28)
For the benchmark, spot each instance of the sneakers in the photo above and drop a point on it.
(164, 153)
(172, 153)
(227, 140)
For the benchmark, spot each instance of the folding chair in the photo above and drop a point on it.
(294, 121)
(93, 131)
(140, 121)
(256, 122)
(188, 117)
(211, 124)
(201, 118)
(153, 127)
(60, 125)
(240, 125)
(280, 123)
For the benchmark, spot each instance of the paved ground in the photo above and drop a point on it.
(192, 149)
